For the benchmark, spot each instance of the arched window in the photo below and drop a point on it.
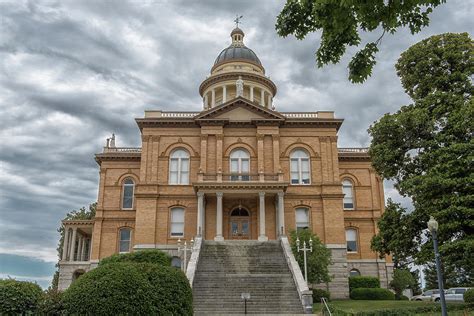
(176, 262)
(177, 222)
(239, 165)
(354, 272)
(347, 189)
(299, 166)
(179, 167)
(127, 193)
(351, 240)
(125, 237)
(302, 218)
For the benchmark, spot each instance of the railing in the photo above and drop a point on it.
(300, 114)
(354, 150)
(325, 308)
(122, 150)
(155, 114)
(240, 177)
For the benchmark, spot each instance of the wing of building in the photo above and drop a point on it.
(237, 169)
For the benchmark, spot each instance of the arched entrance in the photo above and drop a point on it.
(239, 224)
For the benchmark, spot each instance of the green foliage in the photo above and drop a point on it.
(318, 261)
(402, 298)
(130, 288)
(51, 303)
(426, 150)
(361, 281)
(319, 293)
(402, 279)
(19, 297)
(143, 256)
(340, 23)
(428, 309)
(469, 296)
(371, 294)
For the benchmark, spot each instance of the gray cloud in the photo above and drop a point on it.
(73, 72)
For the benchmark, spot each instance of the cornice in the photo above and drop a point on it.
(117, 156)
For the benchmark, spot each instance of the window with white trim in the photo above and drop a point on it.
(177, 222)
(128, 189)
(179, 167)
(302, 218)
(351, 240)
(240, 165)
(347, 190)
(299, 167)
(125, 237)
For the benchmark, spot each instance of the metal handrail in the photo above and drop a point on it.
(325, 307)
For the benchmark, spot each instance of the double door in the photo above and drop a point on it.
(240, 227)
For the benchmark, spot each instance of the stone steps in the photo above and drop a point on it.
(227, 269)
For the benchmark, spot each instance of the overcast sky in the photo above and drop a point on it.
(73, 72)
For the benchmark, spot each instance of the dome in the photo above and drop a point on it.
(237, 52)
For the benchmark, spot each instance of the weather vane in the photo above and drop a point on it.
(237, 20)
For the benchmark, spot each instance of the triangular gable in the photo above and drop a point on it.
(240, 109)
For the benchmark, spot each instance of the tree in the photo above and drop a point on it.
(341, 22)
(19, 297)
(395, 236)
(402, 279)
(317, 261)
(426, 149)
(82, 213)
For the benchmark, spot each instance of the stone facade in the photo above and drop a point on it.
(221, 197)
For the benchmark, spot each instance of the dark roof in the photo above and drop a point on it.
(237, 52)
(236, 31)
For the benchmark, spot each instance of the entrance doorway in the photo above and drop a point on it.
(240, 224)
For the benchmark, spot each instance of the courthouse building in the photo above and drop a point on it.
(236, 169)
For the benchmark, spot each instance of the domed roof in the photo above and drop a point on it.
(237, 52)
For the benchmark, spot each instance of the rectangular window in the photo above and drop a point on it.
(351, 240)
(177, 222)
(184, 171)
(174, 171)
(305, 171)
(127, 196)
(125, 237)
(348, 199)
(302, 218)
(295, 179)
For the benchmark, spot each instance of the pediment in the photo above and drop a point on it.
(240, 110)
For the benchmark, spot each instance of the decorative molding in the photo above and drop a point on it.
(145, 138)
(155, 138)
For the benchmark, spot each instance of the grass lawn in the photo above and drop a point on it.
(361, 306)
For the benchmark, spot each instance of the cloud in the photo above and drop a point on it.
(72, 72)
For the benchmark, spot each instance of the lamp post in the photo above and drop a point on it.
(433, 227)
(185, 251)
(304, 249)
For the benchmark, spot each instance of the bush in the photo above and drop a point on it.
(318, 294)
(402, 279)
(143, 256)
(372, 294)
(469, 296)
(430, 309)
(356, 282)
(51, 303)
(19, 297)
(404, 298)
(130, 288)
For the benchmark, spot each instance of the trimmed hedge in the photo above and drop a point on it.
(51, 303)
(428, 309)
(143, 256)
(372, 294)
(19, 297)
(125, 288)
(318, 294)
(356, 282)
(469, 296)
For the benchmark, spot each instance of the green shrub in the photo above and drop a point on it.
(19, 297)
(356, 282)
(410, 311)
(142, 256)
(404, 298)
(130, 288)
(469, 296)
(51, 303)
(372, 294)
(318, 294)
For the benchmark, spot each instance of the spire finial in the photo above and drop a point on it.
(237, 20)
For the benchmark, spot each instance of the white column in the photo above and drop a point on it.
(213, 97)
(262, 97)
(224, 94)
(65, 243)
(262, 236)
(83, 249)
(251, 93)
(219, 236)
(269, 102)
(281, 214)
(73, 244)
(79, 248)
(199, 213)
(206, 102)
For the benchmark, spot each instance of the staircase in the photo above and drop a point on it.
(227, 269)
